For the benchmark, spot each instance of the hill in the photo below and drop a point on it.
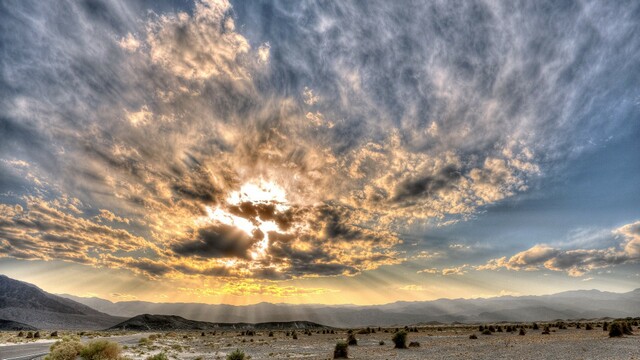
(26, 303)
(147, 322)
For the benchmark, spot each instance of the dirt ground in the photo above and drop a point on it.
(435, 343)
(450, 343)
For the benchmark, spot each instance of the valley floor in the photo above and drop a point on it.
(450, 343)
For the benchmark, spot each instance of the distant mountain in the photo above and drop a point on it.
(8, 325)
(582, 304)
(26, 303)
(148, 322)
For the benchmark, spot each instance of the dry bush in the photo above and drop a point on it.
(65, 349)
(400, 340)
(341, 350)
(236, 355)
(101, 350)
(351, 340)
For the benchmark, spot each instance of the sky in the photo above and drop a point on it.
(357, 152)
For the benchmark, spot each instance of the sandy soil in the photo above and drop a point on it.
(451, 343)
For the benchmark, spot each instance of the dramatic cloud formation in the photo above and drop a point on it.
(279, 141)
(576, 262)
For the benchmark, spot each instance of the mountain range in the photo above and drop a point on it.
(24, 303)
(148, 322)
(581, 304)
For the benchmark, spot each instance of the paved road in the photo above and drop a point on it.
(38, 350)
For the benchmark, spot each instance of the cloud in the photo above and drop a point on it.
(459, 270)
(218, 241)
(576, 262)
(123, 297)
(163, 116)
(202, 45)
(254, 288)
(108, 215)
(428, 271)
(51, 230)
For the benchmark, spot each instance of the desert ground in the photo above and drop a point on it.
(450, 342)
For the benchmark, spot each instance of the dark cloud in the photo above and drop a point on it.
(268, 211)
(427, 186)
(218, 241)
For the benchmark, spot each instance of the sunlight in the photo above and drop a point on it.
(221, 216)
(263, 191)
(253, 192)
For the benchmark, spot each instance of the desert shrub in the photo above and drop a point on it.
(486, 332)
(159, 356)
(29, 335)
(341, 350)
(381, 342)
(351, 340)
(473, 336)
(270, 333)
(414, 344)
(578, 326)
(294, 335)
(400, 340)
(101, 350)
(626, 328)
(20, 334)
(54, 334)
(615, 330)
(287, 333)
(250, 332)
(499, 328)
(535, 326)
(363, 332)
(65, 349)
(481, 328)
(153, 336)
(546, 331)
(237, 354)
(491, 328)
(522, 332)
(145, 341)
(588, 327)
(605, 326)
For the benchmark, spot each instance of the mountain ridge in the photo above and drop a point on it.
(149, 322)
(566, 305)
